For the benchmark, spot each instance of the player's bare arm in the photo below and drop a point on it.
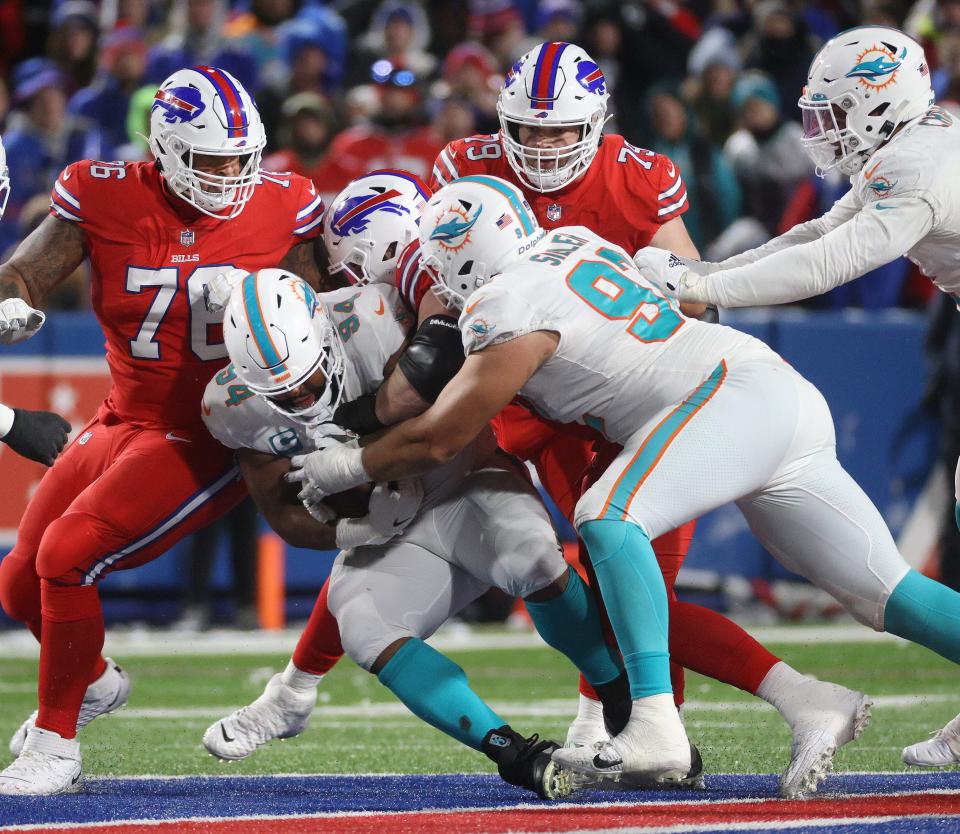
(488, 381)
(397, 398)
(278, 501)
(46, 257)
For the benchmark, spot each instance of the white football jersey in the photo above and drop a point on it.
(904, 201)
(922, 161)
(373, 324)
(625, 352)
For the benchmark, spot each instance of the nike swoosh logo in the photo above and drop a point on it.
(671, 171)
(872, 171)
(313, 190)
(471, 307)
(171, 436)
(206, 409)
(399, 522)
(67, 174)
(882, 207)
(77, 778)
(223, 732)
(380, 311)
(600, 763)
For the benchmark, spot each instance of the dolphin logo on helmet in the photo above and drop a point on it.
(455, 227)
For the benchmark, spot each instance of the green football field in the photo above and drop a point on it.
(360, 728)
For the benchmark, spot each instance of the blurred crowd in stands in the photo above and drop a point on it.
(351, 85)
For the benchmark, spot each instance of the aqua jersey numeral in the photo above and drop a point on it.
(615, 296)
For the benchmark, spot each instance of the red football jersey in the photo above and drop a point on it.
(151, 254)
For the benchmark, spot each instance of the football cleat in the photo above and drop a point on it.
(834, 716)
(107, 693)
(47, 764)
(528, 763)
(692, 781)
(652, 747)
(942, 750)
(280, 712)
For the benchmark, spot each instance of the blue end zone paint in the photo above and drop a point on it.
(107, 800)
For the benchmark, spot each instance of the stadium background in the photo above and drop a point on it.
(346, 87)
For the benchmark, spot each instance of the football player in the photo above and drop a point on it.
(551, 146)
(155, 232)
(868, 112)
(566, 319)
(37, 435)
(295, 355)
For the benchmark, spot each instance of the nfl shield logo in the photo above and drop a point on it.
(187, 238)
(553, 212)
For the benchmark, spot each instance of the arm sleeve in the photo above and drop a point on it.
(875, 236)
(842, 210)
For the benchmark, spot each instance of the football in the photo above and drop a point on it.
(350, 504)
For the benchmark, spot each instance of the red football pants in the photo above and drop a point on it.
(118, 497)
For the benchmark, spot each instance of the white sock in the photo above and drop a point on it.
(298, 680)
(782, 687)
(589, 710)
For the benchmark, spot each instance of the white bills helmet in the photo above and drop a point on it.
(471, 230)
(553, 85)
(4, 179)
(861, 86)
(278, 335)
(205, 111)
(369, 223)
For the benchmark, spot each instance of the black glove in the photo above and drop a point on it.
(37, 435)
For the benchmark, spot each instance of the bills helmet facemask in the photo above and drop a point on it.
(204, 111)
(471, 230)
(862, 85)
(278, 336)
(369, 223)
(4, 179)
(555, 85)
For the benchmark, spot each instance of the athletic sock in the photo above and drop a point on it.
(71, 644)
(925, 612)
(319, 648)
(570, 623)
(636, 601)
(707, 642)
(435, 689)
(782, 688)
(298, 680)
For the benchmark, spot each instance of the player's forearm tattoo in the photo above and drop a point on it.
(50, 253)
(302, 260)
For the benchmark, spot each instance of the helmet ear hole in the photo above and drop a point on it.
(467, 268)
(390, 252)
(880, 109)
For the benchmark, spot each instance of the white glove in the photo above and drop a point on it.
(392, 507)
(682, 278)
(216, 292)
(330, 470)
(317, 509)
(18, 321)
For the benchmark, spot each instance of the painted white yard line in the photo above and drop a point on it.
(548, 708)
(158, 643)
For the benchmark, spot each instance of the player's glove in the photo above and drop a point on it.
(18, 321)
(392, 507)
(37, 435)
(681, 278)
(216, 292)
(327, 471)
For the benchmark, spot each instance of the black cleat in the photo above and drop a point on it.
(527, 763)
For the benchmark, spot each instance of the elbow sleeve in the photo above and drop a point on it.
(433, 357)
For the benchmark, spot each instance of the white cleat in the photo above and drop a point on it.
(942, 750)
(834, 716)
(653, 747)
(280, 712)
(47, 764)
(107, 693)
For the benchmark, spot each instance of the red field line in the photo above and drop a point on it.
(550, 819)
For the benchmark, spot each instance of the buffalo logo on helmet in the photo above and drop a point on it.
(353, 215)
(877, 66)
(453, 230)
(590, 77)
(179, 104)
(514, 73)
